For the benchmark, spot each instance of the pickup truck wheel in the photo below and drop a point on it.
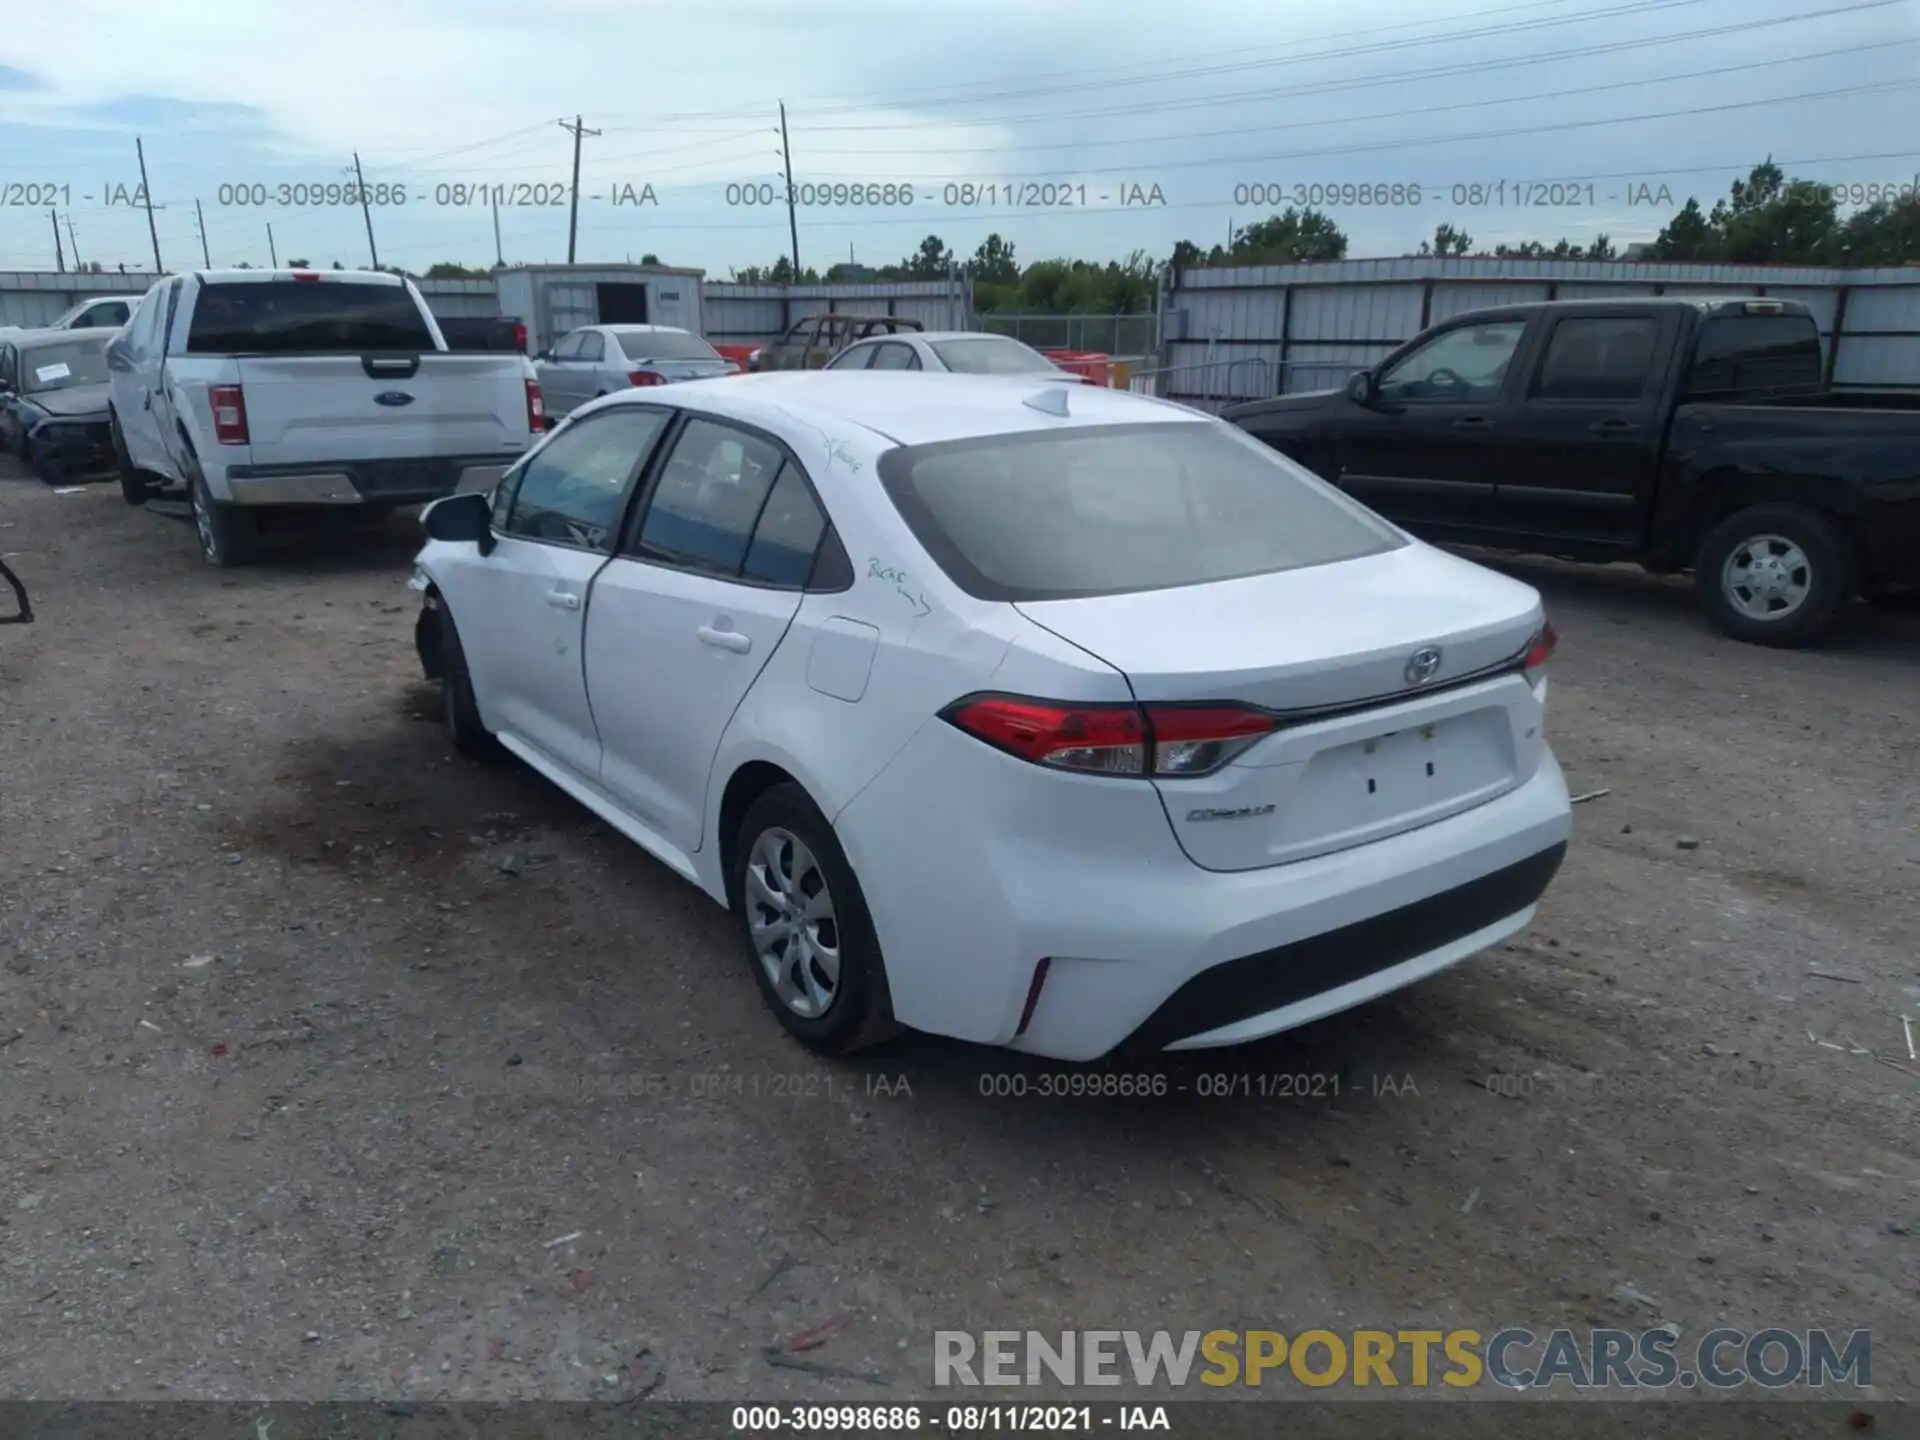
(1775, 574)
(226, 534)
(808, 935)
(458, 708)
(135, 487)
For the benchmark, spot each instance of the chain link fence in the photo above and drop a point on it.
(1098, 334)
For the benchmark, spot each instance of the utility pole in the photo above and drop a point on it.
(272, 254)
(146, 193)
(73, 245)
(200, 218)
(499, 258)
(59, 256)
(365, 210)
(579, 129)
(793, 225)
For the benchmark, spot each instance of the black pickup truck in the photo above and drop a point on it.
(1681, 434)
(490, 333)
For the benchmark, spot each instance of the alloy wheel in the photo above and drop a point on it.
(790, 916)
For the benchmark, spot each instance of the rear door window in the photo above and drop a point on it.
(1607, 358)
(892, 355)
(1105, 510)
(299, 317)
(702, 513)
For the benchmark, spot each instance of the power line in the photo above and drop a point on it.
(1560, 94)
(1413, 142)
(921, 100)
(1330, 87)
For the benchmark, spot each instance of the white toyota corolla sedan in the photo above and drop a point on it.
(1037, 715)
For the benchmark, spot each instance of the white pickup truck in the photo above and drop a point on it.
(102, 312)
(271, 398)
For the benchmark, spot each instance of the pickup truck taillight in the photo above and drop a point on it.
(229, 414)
(536, 408)
(646, 377)
(520, 338)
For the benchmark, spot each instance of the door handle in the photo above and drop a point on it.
(146, 399)
(563, 599)
(724, 639)
(1611, 427)
(1472, 422)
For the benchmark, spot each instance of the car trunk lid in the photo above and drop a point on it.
(1392, 679)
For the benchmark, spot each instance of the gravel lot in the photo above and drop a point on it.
(305, 1094)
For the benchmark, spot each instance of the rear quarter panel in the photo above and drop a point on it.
(1861, 467)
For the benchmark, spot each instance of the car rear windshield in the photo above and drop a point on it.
(1756, 353)
(61, 367)
(1105, 510)
(664, 345)
(990, 357)
(288, 317)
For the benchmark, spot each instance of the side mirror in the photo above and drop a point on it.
(466, 517)
(1361, 389)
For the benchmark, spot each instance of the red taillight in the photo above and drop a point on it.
(306, 277)
(1541, 649)
(536, 408)
(229, 414)
(646, 377)
(520, 338)
(1171, 741)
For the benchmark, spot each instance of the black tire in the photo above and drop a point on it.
(47, 467)
(458, 709)
(226, 534)
(1817, 556)
(859, 1012)
(135, 487)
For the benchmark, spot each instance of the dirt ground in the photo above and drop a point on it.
(332, 1066)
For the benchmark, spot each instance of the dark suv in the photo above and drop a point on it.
(810, 343)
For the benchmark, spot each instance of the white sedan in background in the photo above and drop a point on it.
(956, 352)
(597, 360)
(1050, 717)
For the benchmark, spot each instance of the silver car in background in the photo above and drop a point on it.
(958, 352)
(598, 360)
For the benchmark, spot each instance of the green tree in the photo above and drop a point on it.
(932, 261)
(1448, 240)
(1291, 237)
(453, 270)
(649, 259)
(993, 262)
(299, 264)
(1886, 232)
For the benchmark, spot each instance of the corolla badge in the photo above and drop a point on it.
(393, 398)
(1423, 665)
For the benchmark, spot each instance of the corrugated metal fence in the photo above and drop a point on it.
(1235, 334)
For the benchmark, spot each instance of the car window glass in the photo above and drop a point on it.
(857, 358)
(1598, 359)
(992, 355)
(789, 531)
(893, 357)
(289, 317)
(569, 348)
(6, 366)
(108, 316)
(79, 361)
(1466, 365)
(1756, 352)
(162, 331)
(593, 346)
(570, 490)
(710, 492)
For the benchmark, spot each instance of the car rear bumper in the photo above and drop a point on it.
(412, 481)
(969, 891)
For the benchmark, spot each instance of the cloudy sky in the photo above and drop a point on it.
(1071, 127)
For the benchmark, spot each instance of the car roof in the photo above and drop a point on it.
(913, 407)
(621, 328)
(358, 277)
(932, 335)
(1705, 304)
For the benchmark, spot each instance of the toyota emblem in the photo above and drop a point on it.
(1423, 664)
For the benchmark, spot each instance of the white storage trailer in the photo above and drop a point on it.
(553, 299)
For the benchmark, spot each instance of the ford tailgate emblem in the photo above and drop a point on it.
(393, 397)
(1422, 664)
